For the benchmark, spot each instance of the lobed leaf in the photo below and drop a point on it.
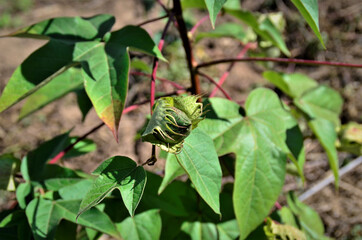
(258, 140)
(119, 173)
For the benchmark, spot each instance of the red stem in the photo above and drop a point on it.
(226, 74)
(216, 84)
(282, 60)
(152, 20)
(155, 64)
(176, 85)
(201, 21)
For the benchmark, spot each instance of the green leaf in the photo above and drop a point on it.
(321, 102)
(232, 30)
(200, 231)
(80, 148)
(54, 184)
(265, 28)
(309, 10)
(22, 191)
(287, 216)
(143, 226)
(178, 199)
(294, 84)
(214, 7)
(12, 219)
(136, 38)
(121, 173)
(309, 220)
(105, 71)
(172, 170)
(277, 231)
(77, 190)
(258, 140)
(9, 165)
(201, 163)
(84, 103)
(44, 216)
(327, 136)
(37, 70)
(67, 82)
(69, 28)
(228, 230)
(141, 65)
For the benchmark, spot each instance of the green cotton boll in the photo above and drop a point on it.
(172, 121)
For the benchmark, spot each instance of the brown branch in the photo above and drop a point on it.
(281, 60)
(152, 20)
(195, 83)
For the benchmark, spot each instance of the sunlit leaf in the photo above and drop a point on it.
(199, 159)
(120, 173)
(258, 140)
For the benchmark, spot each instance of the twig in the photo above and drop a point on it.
(281, 60)
(176, 85)
(155, 64)
(216, 84)
(226, 74)
(126, 110)
(152, 20)
(319, 186)
(195, 83)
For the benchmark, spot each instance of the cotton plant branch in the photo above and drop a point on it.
(197, 25)
(217, 85)
(227, 72)
(280, 60)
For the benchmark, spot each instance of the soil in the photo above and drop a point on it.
(339, 20)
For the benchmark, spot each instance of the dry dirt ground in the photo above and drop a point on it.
(340, 20)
